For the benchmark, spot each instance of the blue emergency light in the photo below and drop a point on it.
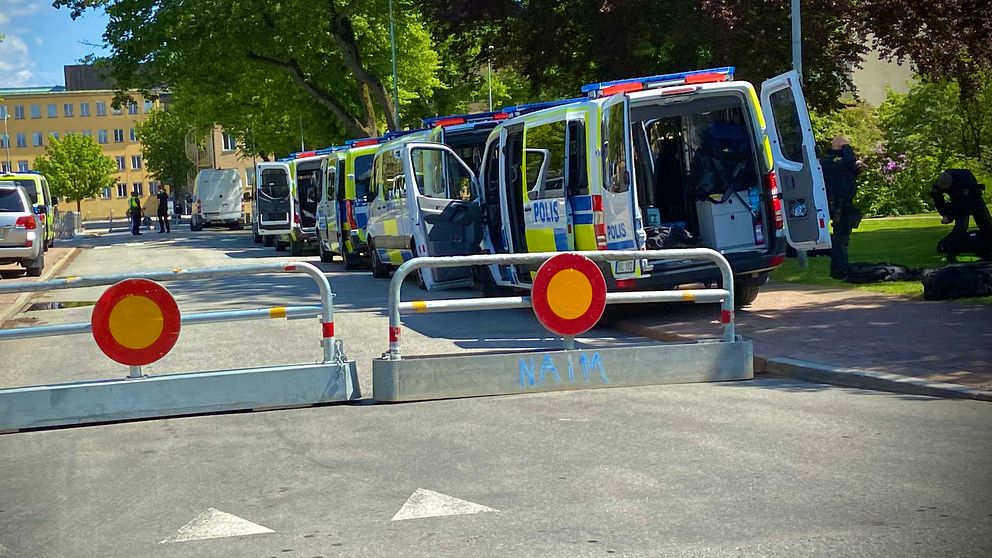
(710, 75)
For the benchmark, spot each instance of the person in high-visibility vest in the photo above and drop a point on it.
(134, 211)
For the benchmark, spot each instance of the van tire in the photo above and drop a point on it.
(49, 243)
(296, 248)
(35, 266)
(379, 269)
(326, 256)
(745, 293)
(280, 246)
(351, 261)
(267, 241)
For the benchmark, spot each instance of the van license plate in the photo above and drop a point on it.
(626, 266)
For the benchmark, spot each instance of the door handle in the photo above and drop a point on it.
(529, 208)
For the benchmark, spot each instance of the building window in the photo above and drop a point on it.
(101, 108)
(22, 140)
(54, 135)
(122, 190)
(37, 140)
(105, 193)
(4, 141)
(120, 162)
(135, 162)
(3, 167)
(3, 112)
(134, 136)
(149, 105)
(116, 111)
(35, 111)
(153, 188)
(53, 110)
(229, 142)
(132, 108)
(19, 112)
(22, 166)
(119, 135)
(84, 109)
(67, 110)
(101, 136)
(136, 188)
(87, 133)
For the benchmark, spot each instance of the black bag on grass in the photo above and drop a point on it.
(880, 273)
(957, 281)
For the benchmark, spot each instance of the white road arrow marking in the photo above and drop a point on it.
(427, 503)
(215, 524)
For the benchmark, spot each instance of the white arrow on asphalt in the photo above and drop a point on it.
(427, 503)
(215, 524)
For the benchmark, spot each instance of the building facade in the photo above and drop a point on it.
(33, 115)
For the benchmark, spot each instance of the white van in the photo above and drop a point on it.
(636, 160)
(218, 200)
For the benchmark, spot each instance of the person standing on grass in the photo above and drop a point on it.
(963, 201)
(163, 211)
(840, 171)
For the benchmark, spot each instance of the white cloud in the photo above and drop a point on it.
(4, 19)
(39, 40)
(18, 8)
(15, 62)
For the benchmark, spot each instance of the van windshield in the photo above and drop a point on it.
(363, 175)
(30, 186)
(10, 202)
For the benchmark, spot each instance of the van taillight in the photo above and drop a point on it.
(26, 222)
(771, 185)
(349, 208)
(296, 218)
(599, 222)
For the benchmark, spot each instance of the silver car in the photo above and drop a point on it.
(20, 231)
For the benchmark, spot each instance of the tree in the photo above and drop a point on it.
(335, 51)
(163, 147)
(75, 167)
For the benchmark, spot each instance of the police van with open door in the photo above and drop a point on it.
(307, 172)
(351, 174)
(328, 213)
(651, 163)
(272, 201)
(441, 216)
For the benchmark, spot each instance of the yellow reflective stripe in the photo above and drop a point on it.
(585, 237)
(541, 240)
(419, 306)
(277, 312)
(391, 227)
(688, 296)
(395, 256)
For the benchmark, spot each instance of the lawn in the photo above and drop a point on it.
(910, 240)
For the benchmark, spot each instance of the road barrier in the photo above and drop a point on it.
(395, 378)
(138, 323)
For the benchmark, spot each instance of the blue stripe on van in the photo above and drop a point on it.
(621, 245)
(582, 218)
(582, 203)
(361, 219)
(561, 239)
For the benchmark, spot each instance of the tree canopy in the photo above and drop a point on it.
(75, 167)
(163, 147)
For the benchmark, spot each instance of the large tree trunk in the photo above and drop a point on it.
(344, 33)
(79, 209)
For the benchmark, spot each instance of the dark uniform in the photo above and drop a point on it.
(957, 196)
(840, 170)
(163, 212)
(134, 211)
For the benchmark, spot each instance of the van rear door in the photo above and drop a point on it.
(448, 216)
(619, 193)
(800, 179)
(275, 205)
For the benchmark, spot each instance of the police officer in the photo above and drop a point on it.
(134, 210)
(957, 196)
(840, 170)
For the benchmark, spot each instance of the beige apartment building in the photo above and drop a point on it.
(33, 115)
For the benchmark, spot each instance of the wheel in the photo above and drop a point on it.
(281, 246)
(267, 240)
(326, 256)
(257, 238)
(351, 261)
(35, 266)
(296, 248)
(420, 279)
(745, 293)
(379, 269)
(49, 243)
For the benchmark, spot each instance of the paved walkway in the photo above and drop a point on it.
(55, 259)
(936, 341)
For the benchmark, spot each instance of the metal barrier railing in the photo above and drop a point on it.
(396, 307)
(332, 351)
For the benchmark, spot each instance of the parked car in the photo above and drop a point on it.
(21, 236)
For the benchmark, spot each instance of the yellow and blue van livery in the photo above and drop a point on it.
(36, 186)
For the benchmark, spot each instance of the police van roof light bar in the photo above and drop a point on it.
(454, 119)
(607, 88)
(361, 142)
(517, 110)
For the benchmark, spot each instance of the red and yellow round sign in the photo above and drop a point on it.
(569, 294)
(136, 322)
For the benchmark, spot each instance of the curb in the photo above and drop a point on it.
(829, 374)
(15, 308)
(869, 379)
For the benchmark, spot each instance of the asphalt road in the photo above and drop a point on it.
(757, 468)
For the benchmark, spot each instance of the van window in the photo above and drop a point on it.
(614, 151)
(441, 175)
(332, 177)
(274, 183)
(10, 201)
(30, 187)
(787, 127)
(576, 178)
(363, 175)
(393, 178)
(544, 161)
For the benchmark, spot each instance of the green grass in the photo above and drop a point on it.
(910, 240)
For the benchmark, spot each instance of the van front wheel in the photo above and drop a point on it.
(379, 269)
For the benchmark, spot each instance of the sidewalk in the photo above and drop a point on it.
(55, 259)
(841, 328)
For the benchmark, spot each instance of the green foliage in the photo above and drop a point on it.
(163, 147)
(860, 123)
(75, 167)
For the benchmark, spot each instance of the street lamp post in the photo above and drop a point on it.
(6, 137)
(392, 46)
(489, 60)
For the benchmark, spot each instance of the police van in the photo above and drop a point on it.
(272, 204)
(36, 186)
(664, 161)
(438, 218)
(343, 208)
(287, 192)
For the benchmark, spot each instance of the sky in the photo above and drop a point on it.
(40, 39)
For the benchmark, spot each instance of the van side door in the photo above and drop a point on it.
(544, 205)
(275, 205)
(388, 223)
(800, 179)
(327, 213)
(443, 198)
